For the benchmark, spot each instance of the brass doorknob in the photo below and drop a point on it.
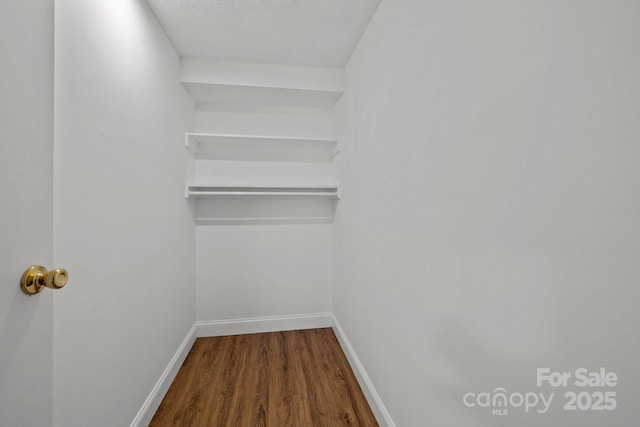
(36, 278)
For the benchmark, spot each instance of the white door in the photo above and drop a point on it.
(26, 205)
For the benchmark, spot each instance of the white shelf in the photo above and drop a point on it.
(265, 220)
(222, 146)
(212, 94)
(266, 147)
(243, 83)
(212, 191)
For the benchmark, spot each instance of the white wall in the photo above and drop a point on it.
(26, 225)
(294, 122)
(490, 223)
(253, 259)
(122, 226)
(260, 270)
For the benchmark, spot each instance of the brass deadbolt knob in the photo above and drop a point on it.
(36, 278)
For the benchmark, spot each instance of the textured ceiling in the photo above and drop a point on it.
(300, 32)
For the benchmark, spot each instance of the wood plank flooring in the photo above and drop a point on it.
(280, 379)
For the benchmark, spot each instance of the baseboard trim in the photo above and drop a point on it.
(254, 325)
(375, 402)
(150, 406)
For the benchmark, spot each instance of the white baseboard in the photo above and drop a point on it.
(375, 402)
(150, 406)
(219, 328)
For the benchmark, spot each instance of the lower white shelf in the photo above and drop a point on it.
(265, 220)
(209, 191)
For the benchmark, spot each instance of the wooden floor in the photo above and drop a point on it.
(279, 379)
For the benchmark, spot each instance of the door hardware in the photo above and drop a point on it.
(36, 278)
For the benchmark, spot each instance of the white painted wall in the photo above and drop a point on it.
(122, 226)
(490, 223)
(261, 270)
(262, 257)
(294, 122)
(26, 225)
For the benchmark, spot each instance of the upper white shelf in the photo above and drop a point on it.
(229, 83)
(208, 191)
(212, 93)
(221, 146)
